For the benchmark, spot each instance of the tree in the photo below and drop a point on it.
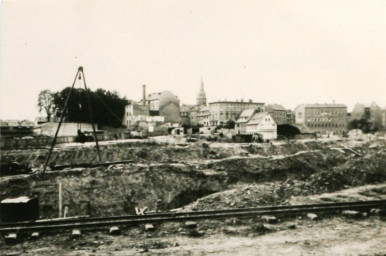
(107, 107)
(46, 103)
(230, 124)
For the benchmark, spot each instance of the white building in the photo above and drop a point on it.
(262, 124)
(66, 129)
(241, 122)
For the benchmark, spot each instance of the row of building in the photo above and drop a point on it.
(249, 117)
(163, 110)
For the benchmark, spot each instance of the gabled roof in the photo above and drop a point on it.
(245, 115)
(258, 117)
(272, 107)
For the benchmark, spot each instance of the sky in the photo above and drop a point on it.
(285, 52)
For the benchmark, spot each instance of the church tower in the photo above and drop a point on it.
(201, 97)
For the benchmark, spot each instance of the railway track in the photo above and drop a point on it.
(90, 222)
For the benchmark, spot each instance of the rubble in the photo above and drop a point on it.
(149, 227)
(75, 233)
(351, 214)
(312, 216)
(115, 231)
(269, 219)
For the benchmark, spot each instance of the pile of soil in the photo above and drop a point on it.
(329, 174)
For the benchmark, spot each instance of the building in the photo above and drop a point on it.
(278, 113)
(139, 115)
(222, 111)
(321, 118)
(201, 97)
(262, 124)
(66, 129)
(290, 115)
(251, 121)
(185, 114)
(164, 104)
(14, 128)
(194, 115)
(241, 122)
(203, 116)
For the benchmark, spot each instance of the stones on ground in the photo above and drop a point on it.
(351, 213)
(233, 221)
(143, 250)
(149, 227)
(291, 226)
(269, 219)
(35, 235)
(312, 216)
(259, 228)
(375, 211)
(195, 233)
(191, 224)
(10, 238)
(75, 233)
(115, 231)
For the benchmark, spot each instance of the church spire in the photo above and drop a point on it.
(201, 97)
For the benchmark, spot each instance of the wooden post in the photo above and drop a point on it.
(60, 199)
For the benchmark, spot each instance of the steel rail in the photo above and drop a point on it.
(68, 220)
(184, 216)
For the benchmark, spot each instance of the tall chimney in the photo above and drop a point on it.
(144, 94)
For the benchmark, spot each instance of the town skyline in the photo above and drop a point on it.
(279, 52)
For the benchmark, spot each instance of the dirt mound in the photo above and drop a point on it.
(362, 193)
(328, 172)
(241, 195)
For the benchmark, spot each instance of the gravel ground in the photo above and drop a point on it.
(330, 236)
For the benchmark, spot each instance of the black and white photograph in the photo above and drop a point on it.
(192, 127)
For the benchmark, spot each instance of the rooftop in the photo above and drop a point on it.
(245, 115)
(325, 106)
(240, 102)
(257, 117)
(274, 107)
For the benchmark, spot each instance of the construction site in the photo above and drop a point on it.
(165, 195)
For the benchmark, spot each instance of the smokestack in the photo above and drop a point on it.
(144, 94)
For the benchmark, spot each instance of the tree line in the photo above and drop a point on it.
(104, 107)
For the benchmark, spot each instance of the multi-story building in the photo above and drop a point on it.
(185, 114)
(241, 122)
(290, 115)
(139, 114)
(222, 111)
(278, 112)
(164, 104)
(322, 118)
(262, 124)
(203, 116)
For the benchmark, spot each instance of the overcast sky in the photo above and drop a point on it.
(286, 52)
